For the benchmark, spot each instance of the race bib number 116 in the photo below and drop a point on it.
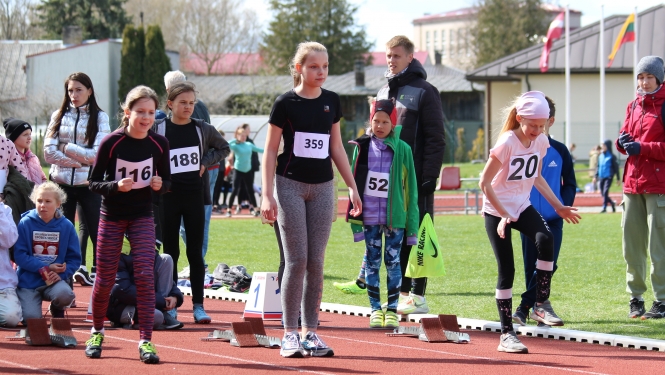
(140, 172)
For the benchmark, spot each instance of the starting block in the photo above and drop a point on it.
(61, 333)
(441, 329)
(38, 333)
(247, 334)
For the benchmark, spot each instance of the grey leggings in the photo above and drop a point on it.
(304, 223)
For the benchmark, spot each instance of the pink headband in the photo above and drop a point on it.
(533, 105)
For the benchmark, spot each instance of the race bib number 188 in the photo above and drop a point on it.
(523, 167)
(140, 172)
(185, 159)
(311, 145)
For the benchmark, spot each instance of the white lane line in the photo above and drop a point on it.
(20, 365)
(267, 364)
(469, 356)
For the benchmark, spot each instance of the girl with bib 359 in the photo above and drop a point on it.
(513, 168)
(307, 117)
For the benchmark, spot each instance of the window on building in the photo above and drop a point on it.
(466, 43)
(427, 40)
(443, 43)
(452, 43)
(434, 41)
(460, 39)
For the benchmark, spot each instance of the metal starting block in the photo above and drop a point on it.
(441, 329)
(250, 333)
(38, 333)
(61, 333)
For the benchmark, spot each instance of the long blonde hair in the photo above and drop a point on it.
(302, 52)
(133, 96)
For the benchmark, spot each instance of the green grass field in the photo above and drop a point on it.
(588, 290)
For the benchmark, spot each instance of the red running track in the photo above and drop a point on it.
(358, 350)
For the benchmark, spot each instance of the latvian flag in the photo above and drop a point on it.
(627, 34)
(553, 33)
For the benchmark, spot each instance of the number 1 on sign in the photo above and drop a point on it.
(256, 292)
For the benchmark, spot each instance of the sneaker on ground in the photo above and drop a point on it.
(184, 274)
(376, 319)
(400, 300)
(509, 343)
(148, 353)
(657, 311)
(519, 317)
(636, 308)
(93, 347)
(390, 320)
(313, 345)
(349, 287)
(545, 314)
(291, 347)
(414, 304)
(171, 323)
(83, 277)
(173, 312)
(228, 213)
(200, 316)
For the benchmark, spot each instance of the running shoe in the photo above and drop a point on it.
(200, 316)
(228, 213)
(170, 322)
(509, 343)
(184, 274)
(390, 320)
(545, 314)
(173, 312)
(83, 277)
(349, 287)
(636, 308)
(657, 311)
(400, 300)
(93, 347)
(376, 319)
(313, 345)
(291, 347)
(148, 353)
(519, 317)
(414, 304)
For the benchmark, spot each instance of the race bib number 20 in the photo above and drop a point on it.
(523, 167)
(311, 145)
(140, 172)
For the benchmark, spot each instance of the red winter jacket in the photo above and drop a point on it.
(645, 173)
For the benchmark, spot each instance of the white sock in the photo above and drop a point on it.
(93, 330)
(142, 341)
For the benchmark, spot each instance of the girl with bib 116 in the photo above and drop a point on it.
(299, 193)
(195, 145)
(133, 162)
(514, 167)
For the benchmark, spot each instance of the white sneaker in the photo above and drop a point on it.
(402, 299)
(184, 274)
(413, 304)
(509, 343)
(291, 346)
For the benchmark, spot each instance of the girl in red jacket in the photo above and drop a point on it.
(642, 138)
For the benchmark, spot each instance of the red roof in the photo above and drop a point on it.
(229, 64)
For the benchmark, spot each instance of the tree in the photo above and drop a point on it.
(98, 19)
(460, 152)
(131, 63)
(478, 147)
(168, 14)
(214, 28)
(155, 61)
(16, 20)
(507, 26)
(329, 22)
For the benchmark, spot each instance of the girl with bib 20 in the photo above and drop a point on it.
(299, 194)
(513, 168)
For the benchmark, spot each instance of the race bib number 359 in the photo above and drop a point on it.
(185, 159)
(140, 172)
(523, 167)
(311, 145)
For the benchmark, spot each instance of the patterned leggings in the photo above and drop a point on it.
(141, 234)
(373, 234)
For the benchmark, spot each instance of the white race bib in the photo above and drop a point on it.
(140, 172)
(311, 145)
(185, 159)
(523, 167)
(376, 184)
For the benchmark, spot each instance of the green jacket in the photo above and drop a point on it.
(402, 190)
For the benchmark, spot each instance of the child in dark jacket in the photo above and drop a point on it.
(122, 303)
(386, 179)
(47, 254)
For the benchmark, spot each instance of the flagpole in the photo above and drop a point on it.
(635, 50)
(601, 47)
(568, 137)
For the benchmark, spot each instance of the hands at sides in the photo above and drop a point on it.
(356, 202)
(501, 229)
(269, 208)
(125, 185)
(203, 169)
(170, 302)
(569, 214)
(156, 183)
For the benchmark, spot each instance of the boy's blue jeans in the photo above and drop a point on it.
(393, 247)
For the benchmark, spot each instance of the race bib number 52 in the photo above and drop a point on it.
(140, 172)
(523, 167)
(377, 184)
(311, 145)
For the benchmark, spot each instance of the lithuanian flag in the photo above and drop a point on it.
(627, 34)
